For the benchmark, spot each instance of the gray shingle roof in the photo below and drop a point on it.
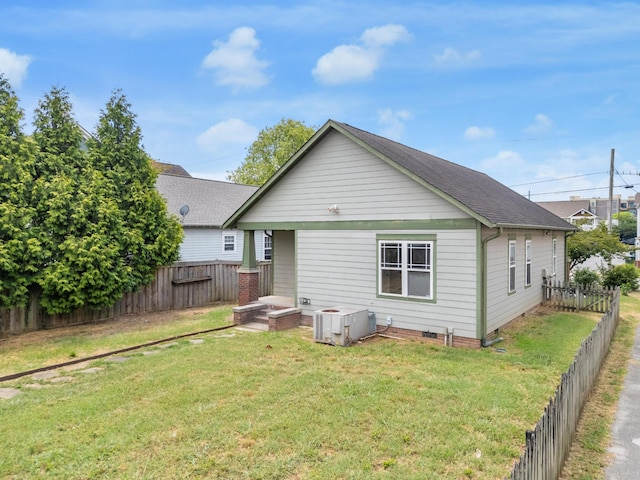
(210, 202)
(481, 194)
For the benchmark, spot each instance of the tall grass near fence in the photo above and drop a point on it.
(178, 286)
(548, 444)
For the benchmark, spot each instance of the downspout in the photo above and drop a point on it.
(484, 293)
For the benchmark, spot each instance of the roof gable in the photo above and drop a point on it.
(483, 198)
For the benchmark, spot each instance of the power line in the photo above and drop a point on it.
(557, 179)
(583, 190)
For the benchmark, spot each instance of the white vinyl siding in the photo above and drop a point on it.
(283, 262)
(206, 244)
(344, 272)
(503, 307)
(339, 172)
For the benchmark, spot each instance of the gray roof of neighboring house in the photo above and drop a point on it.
(482, 197)
(566, 208)
(171, 169)
(210, 202)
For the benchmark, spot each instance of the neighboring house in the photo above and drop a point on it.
(576, 212)
(360, 221)
(202, 207)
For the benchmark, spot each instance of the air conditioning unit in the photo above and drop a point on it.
(341, 325)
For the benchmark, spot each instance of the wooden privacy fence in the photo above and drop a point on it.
(181, 285)
(547, 445)
(577, 298)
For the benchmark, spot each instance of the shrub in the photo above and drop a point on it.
(585, 276)
(624, 276)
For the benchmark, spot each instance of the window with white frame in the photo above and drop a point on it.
(228, 242)
(512, 266)
(554, 256)
(527, 269)
(406, 268)
(268, 245)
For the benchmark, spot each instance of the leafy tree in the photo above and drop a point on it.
(626, 227)
(273, 147)
(624, 276)
(151, 237)
(20, 250)
(585, 244)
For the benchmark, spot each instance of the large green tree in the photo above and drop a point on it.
(20, 250)
(588, 243)
(151, 237)
(77, 215)
(273, 147)
(78, 227)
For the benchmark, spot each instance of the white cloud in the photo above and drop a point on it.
(393, 122)
(452, 56)
(235, 63)
(349, 63)
(232, 131)
(14, 66)
(504, 159)
(479, 133)
(543, 124)
(346, 63)
(384, 36)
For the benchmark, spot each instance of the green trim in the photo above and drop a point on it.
(295, 268)
(427, 237)
(434, 255)
(447, 224)
(479, 275)
(249, 250)
(512, 236)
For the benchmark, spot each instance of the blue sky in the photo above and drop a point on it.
(533, 94)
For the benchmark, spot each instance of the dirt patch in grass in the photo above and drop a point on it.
(128, 323)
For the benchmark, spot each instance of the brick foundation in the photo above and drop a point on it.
(438, 340)
(248, 286)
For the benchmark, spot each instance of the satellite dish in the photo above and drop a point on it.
(184, 209)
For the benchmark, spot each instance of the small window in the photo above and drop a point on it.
(512, 266)
(268, 242)
(229, 242)
(527, 272)
(406, 269)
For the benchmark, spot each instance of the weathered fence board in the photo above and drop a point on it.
(181, 285)
(576, 298)
(547, 446)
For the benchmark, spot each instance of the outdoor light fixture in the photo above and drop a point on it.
(334, 209)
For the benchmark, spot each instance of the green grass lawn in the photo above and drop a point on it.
(279, 406)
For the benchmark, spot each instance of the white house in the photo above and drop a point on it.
(428, 246)
(202, 207)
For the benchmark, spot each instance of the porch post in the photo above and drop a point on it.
(248, 273)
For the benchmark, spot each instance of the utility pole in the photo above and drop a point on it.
(613, 150)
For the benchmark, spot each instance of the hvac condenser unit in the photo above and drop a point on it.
(341, 325)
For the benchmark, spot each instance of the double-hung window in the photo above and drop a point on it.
(228, 242)
(268, 245)
(528, 256)
(406, 268)
(512, 266)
